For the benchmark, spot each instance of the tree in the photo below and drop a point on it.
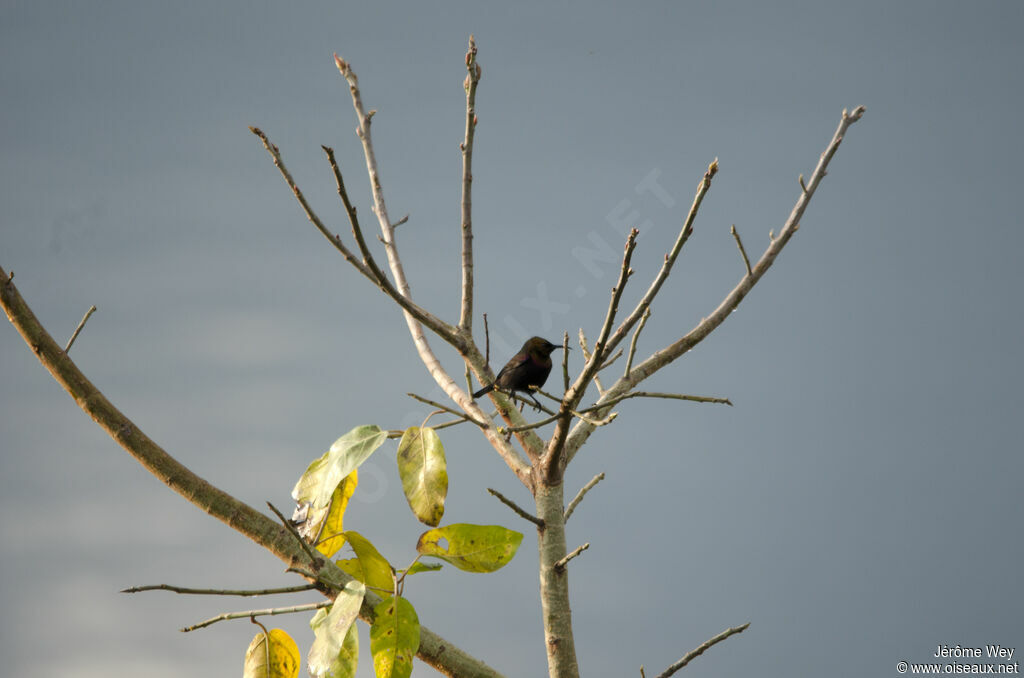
(538, 463)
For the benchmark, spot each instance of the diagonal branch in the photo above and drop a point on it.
(582, 430)
(333, 238)
(434, 649)
(692, 654)
(670, 259)
(553, 458)
(472, 79)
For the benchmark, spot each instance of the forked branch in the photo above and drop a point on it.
(582, 430)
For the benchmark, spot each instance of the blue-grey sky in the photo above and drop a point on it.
(860, 504)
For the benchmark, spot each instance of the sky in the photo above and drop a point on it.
(859, 504)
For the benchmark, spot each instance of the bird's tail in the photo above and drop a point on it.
(484, 390)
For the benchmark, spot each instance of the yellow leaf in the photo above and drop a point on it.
(330, 539)
(279, 659)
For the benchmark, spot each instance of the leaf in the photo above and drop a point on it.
(335, 651)
(473, 548)
(322, 477)
(283, 656)
(424, 473)
(377, 571)
(328, 538)
(351, 567)
(394, 638)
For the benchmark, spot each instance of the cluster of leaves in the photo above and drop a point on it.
(322, 494)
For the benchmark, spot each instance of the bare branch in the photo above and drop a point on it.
(670, 259)
(562, 562)
(447, 409)
(653, 394)
(462, 342)
(487, 341)
(739, 244)
(515, 507)
(219, 592)
(608, 363)
(632, 342)
(659, 359)
(579, 495)
(258, 613)
(472, 79)
(441, 328)
(275, 154)
(554, 461)
(689, 656)
(565, 362)
(81, 324)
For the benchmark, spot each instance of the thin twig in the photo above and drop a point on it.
(670, 259)
(579, 495)
(608, 363)
(487, 341)
(632, 342)
(739, 243)
(601, 348)
(565, 361)
(515, 507)
(664, 356)
(258, 613)
(553, 461)
(700, 650)
(654, 394)
(219, 592)
(81, 324)
(447, 409)
(472, 79)
(275, 154)
(562, 562)
(295, 533)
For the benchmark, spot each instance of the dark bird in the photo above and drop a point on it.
(530, 367)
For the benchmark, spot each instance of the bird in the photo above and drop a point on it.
(530, 367)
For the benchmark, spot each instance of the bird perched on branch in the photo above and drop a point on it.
(530, 367)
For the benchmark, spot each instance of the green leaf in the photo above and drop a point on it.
(280, 661)
(335, 650)
(329, 538)
(377, 571)
(352, 567)
(473, 548)
(424, 473)
(394, 638)
(322, 477)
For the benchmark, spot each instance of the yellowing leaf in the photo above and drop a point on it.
(473, 548)
(351, 567)
(329, 539)
(424, 473)
(335, 651)
(377, 571)
(279, 659)
(394, 638)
